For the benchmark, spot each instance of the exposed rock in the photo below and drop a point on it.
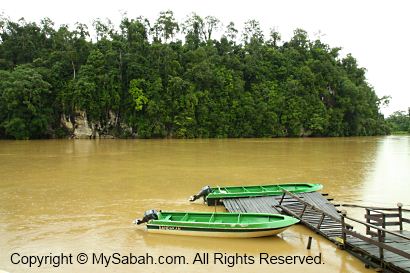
(127, 130)
(96, 129)
(113, 119)
(82, 129)
(66, 123)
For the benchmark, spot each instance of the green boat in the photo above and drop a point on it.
(216, 224)
(213, 196)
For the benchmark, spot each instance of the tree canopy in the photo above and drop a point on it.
(399, 121)
(177, 79)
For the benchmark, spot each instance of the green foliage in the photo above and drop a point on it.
(25, 110)
(399, 121)
(142, 76)
(137, 94)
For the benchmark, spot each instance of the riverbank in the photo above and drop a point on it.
(400, 133)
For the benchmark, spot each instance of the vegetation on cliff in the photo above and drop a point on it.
(171, 79)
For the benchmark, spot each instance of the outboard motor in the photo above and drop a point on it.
(148, 215)
(202, 193)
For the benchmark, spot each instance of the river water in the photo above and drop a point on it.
(73, 196)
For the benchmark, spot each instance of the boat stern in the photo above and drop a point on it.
(151, 214)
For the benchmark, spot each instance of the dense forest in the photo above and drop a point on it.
(399, 122)
(178, 79)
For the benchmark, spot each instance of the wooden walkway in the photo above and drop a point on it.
(361, 249)
(384, 249)
(265, 204)
(307, 212)
(315, 212)
(379, 248)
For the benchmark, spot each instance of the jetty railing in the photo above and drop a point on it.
(380, 248)
(379, 239)
(375, 243)
(384, 217)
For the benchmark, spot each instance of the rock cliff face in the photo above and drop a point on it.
(80, 128)
(77, 125)
(66, 123)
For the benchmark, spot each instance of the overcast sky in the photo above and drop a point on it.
(375, 32)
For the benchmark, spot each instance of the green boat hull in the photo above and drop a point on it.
(220, 224)
(219, 193)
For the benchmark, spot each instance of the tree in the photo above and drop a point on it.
(140, 79)
(252, 32)
(166, 26)
(211, 24)
(25, 112)
(399, 121)
(193, 28)
(231, 31)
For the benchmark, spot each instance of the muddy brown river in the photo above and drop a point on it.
(81, 196)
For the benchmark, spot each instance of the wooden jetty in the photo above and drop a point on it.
(380, 248)
(312, 209)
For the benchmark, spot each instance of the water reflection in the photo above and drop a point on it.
(388, 181)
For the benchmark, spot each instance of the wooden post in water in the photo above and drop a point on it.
(399, 206)
(309, 242)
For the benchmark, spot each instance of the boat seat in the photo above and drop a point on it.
(167, 218)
